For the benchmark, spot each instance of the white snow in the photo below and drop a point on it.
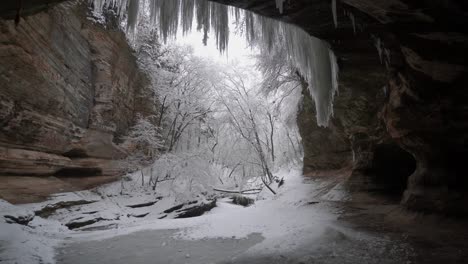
(24, 244)
(283, 220)
(13, 214)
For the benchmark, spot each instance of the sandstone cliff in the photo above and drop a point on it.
(69, 88)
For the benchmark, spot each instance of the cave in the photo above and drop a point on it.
(75, 154)
(376, 118)
(78, 172)
(391, 167)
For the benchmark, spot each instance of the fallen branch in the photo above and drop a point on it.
(268, 186)
(233, 169)
(166, 179)
(251, 192)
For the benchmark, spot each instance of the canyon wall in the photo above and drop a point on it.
(69, 89)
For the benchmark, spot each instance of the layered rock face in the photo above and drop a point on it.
(69, 88)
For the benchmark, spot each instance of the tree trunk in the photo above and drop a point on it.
(271, 137)
(162, 111)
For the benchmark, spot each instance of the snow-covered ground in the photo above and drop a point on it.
(286, 221)
(27, 244)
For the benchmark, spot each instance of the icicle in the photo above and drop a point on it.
(378, 45)
(132, 14)
(353, 22)
(187, 15)
(335, 73)
(384, 53)
(154, 7)
(269, 28)
(98, 5)
(310, 56)
(249, 27)
(203, 18)
(317, 64)
(237, 14)
(280, 5)
(335, 17)
(220, 24)
(169, 18)
(129, 7)
(387, 54)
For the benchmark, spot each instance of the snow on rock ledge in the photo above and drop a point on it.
(14, 215)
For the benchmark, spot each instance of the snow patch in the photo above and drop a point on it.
(287, 217)
(23, 244)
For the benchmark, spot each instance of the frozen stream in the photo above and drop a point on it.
(156, 246)
(159, 246)
(296, 226)
(300, 224)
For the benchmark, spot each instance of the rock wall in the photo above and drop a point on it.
(69, 88)
(325, 148)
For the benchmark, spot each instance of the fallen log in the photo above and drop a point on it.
(189, 209)
(196, 210)
(242, 200)
(232, 191)
(177, 207)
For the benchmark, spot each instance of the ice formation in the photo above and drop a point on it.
(335, 17)
(353, 21)
(312, 57)
(280, 5)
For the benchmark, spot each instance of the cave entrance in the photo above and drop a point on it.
(391, 167)
(78, 172)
